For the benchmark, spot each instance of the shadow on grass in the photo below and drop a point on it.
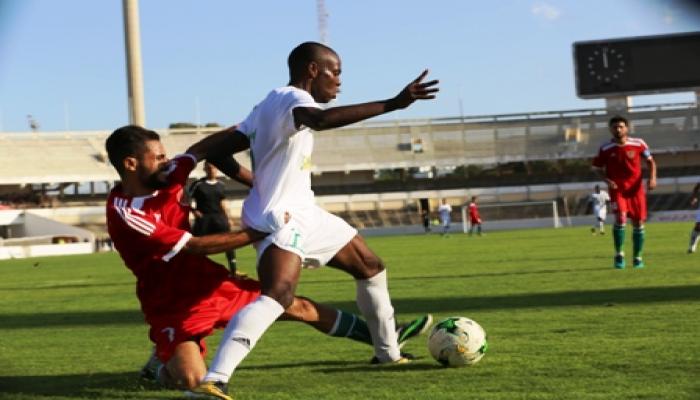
(346, 279)
(607, 297)
(101, 385)
(331, 367)
(71, 319)
(125, 385)
(603, 298)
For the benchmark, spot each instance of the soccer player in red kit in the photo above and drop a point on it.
(183, 294)
(474, 217)
(619, 162)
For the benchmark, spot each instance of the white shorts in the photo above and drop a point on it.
(313, 234)
(600, 212)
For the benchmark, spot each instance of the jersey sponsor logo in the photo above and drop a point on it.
(170, 331)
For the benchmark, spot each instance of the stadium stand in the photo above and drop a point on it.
(368, 173)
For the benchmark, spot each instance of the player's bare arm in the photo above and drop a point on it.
(651, 184)
(218, 148)
(220, 242)
(231, 168)
(336, 117)
(603, 176)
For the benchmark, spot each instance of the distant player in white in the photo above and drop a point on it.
(279, 136)
(445, 218)
(695, 233)
(599, 199)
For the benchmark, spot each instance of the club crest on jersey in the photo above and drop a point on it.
(630, 153)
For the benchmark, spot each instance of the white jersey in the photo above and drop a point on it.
(444, 210)
(599, 200)
(281, 159)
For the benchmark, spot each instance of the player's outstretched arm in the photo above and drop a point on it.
(336, 117)
(220, 242)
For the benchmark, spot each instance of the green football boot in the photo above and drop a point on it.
(620, 261)
(638, 262)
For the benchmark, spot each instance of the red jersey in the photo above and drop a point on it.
(149, 232)
(474, 213)
(623, 162)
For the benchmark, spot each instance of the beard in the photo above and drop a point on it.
(156, 180)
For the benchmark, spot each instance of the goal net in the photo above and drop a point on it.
(526, 214)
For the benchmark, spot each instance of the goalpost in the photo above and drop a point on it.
(523, 214)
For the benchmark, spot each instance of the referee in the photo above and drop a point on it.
(209, 211)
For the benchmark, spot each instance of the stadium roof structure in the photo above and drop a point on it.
(56, 157)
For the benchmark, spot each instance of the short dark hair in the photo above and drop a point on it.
(618, 118)
(304, 54)
(127, 141)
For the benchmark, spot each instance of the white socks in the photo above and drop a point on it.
(241, 335)
(375, 304)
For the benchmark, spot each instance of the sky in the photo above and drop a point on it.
(63, 62)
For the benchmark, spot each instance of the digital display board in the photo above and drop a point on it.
(637, 65)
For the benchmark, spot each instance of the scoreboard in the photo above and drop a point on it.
(637, 65)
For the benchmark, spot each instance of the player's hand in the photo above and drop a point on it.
(693, 201)
(611, 184)
(651, 184)
(416, 90)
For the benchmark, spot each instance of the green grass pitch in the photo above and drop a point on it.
(561, 323)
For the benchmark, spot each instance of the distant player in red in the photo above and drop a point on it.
(619, 162)
(474, 217)
(183, 294)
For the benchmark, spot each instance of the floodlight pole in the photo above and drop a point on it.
(132, 39)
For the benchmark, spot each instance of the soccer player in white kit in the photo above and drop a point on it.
(445, 218)
(277, 131)
(599, 199)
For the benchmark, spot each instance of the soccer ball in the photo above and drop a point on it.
(457, 341)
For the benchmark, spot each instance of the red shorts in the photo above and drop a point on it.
(167, 331)
(632, 203)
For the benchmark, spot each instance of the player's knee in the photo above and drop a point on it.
(375, 266)
(282, 292)
(191, 380)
